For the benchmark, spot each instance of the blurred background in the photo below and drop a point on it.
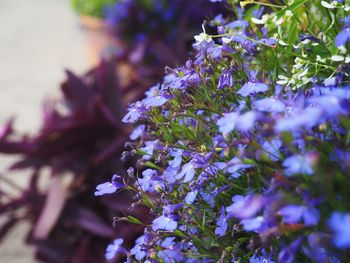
(38, 39)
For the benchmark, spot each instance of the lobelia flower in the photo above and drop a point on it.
(270, 105)
(253, 224)
(227, 122)
(164, 223)
(226, 79)
(109, 187)
(155, 101)
(302, 119)
(115, 248)
(245, 206)
(246, 121)
(187, 171)
(149, 148)
(137, 132)
(134, 113)
(171, 252)
(317, 250)
(232, 120)
(221, 224)
(287, 254)
(237, 24)
(215, 53)
(292, 214)
(249, 46)
(339, 223)
(177, 154)
(330, 105)
(272, 149)
(191, 197)
(156, 97)
(137, 251)
(235, 165)
(260, 259)
(298, 164)
(344, 36)
(150, 181)
(170, 174)
(203, 42)
(252, 87)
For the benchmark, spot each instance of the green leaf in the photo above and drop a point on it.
(134, 220)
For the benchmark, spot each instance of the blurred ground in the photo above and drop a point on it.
(38, 39)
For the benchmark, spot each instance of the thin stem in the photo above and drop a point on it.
(243, 3)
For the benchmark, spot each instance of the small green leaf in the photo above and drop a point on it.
(134, 220)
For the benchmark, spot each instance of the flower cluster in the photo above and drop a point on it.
(244, 150)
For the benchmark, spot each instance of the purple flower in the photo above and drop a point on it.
(191, 197)
(171, 253)
(237, 24)
(170, 174)
(307, 118)
(235, 165)
(233, 120)
(150, 182)
(105, 188)
(155, 101)
(252, 87)
(295, 213)
(137, 250)
(272, 148)
(342, 37)
(287, 254)
(227, 122)
(109, 187)
(340, 225)
(298, 164)
(137, 132)
(177, 154)
(149, 148)
(253, 224)
(245, 206)
(164, 223)
(215, 53)
(203, 42)
(269, 41)
(270, 105)
(317, 250)
(226, 79)
(188, 171)
(330, 105)
(134, 113)
(221, 224)
(114, 248)
(246, 121)
(257, 259)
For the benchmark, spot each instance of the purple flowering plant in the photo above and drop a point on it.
(244, 150)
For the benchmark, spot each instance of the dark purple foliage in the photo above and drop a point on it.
(79, 142)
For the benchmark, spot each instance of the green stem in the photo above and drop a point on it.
(243, 3)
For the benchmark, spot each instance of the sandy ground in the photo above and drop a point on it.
(38, 40)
